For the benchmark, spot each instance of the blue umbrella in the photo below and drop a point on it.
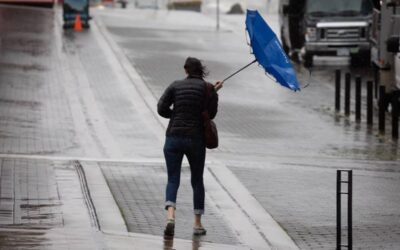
(269, 52)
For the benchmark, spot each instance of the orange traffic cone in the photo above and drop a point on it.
(78, 24)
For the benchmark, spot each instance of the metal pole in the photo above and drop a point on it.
(338, 210)
(382, 109)
(237, 71)
(358, 99)
(350, 211)
(369, 103)
(347, 94)
(337, 90)
(376, 80)
(395, 115)
(217, 14)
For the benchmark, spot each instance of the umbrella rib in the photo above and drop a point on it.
(268, 51)
(255, 60)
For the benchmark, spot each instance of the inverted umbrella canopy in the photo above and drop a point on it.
(269, 52)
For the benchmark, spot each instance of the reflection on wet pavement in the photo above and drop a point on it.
(41, 206)
(31, 96)
(136, 189)
(169, 244)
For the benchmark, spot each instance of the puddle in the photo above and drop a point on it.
(29, 104)
(23, 67)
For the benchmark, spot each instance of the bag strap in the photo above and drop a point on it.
(207, 96)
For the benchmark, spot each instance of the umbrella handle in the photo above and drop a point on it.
(255, 60)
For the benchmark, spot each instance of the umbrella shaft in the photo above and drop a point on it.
(255, 60)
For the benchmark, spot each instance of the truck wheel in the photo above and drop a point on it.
(355, 61)
(308, 60)
(360, 59)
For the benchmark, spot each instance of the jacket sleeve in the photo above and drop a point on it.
(165, 102)
(213, 104)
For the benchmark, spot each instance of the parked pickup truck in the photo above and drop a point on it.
(326, 27)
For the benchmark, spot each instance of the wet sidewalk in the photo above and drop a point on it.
(284, 148)
(68, 110)
(46, 204)
(81, 142)
(41, 203)
(42, 206)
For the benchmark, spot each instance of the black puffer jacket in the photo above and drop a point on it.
(187, 100)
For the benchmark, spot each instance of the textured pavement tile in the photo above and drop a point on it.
(303, 201)
(46, 209)
(34, 113)
(139, 192)
(26, 206)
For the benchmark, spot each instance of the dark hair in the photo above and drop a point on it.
(194, 68)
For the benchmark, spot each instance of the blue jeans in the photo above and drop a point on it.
(174, 149)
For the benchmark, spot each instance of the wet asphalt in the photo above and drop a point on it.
(284, 147)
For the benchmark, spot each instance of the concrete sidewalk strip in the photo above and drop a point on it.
(78, 225)
(249, 209)
(81, 83)
(142, 91)
(240, 223)
(108, 213)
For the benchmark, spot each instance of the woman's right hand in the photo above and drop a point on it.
(218, 85)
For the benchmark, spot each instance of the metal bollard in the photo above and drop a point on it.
(369, 103)
(339, 194)
(338, 210)
(350, 211)
(395, 115)
(382, 109)
(358, 99)
(376, 80)
(337, 90)
(347, 94)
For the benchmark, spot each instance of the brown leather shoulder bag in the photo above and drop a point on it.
(210, 128)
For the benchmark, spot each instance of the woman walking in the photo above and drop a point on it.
(183, 102)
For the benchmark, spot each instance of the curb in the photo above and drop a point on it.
(86, 195)
(266, 226)
(108, 213)
(140, 91)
